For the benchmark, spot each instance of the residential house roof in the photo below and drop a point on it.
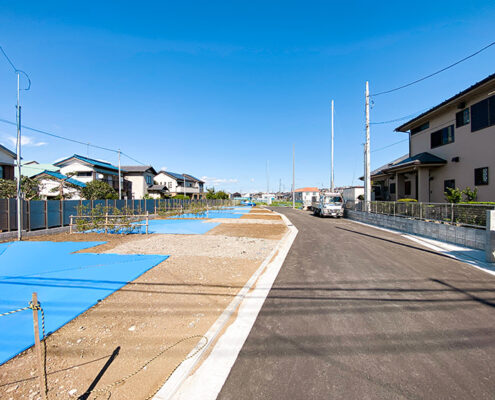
(158, 188)
(379, 170)
(139, 168)
(308, 189)
(408, 125)
(9, 152)
(90, 161)
(33, 168)
(196, 179)
(58, 175)
(179, 177)
(424, 158)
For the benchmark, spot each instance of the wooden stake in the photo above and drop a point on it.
(37, 347)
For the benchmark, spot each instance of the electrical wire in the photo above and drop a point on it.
(16, 70)
(400, 118)
(434, 73)
(390, 145)
(70, 140)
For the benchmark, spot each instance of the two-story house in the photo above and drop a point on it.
(7, 162)
(86, 170)
(452, 145)
(307, 195)
(181, 184)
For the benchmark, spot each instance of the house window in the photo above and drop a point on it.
(481, 176)
(462, 118)
(170, 185)
(149, 180)
(448, 184)
(442, 136)
(392, 188)
(420, 128)
(84, 173)
(1, 172)
(407, 188)
(483, 114)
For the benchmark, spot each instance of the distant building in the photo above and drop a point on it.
(181, 184)
(56, 185)
(7, 162)
(307, 195)
(143, 184)
(351, 193)
(450, 146)
(87, 169)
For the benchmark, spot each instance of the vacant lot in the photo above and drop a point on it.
(178, 300)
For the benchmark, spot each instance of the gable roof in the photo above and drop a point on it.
(408, 125)
(179, 177)
(308, 189)
(418, 159)
(379, 170)
(58, 175)
(34, 168)
(91, 161)
(139, 168)
(9, 152)
(193, 178)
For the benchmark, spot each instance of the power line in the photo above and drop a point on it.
(16, 70)
(390, 145)
(434, 73)
(400, 118)
(70, 140)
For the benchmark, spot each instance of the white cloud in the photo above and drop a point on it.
(25, 141)
(252, 179)
(163, 168)
(217, 181)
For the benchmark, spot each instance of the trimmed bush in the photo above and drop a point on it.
(408, 200)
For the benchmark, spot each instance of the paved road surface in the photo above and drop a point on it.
(359, 313)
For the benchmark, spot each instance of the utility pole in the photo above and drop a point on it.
(120, 180)
(331, 169)
(367, 178)
(19, 200)
(184, 184)
(280, 185)
(293, 176)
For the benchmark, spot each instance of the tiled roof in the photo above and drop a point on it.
(138, 168)
(418, 159)
(97, 163)
(58, 175)
(308, 189)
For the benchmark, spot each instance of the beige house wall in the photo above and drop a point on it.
(474, 149)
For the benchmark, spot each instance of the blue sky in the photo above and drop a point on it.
(216, 89)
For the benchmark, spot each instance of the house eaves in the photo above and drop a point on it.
(459, 97)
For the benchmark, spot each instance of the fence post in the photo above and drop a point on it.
(451, 213)
(147, 221)
(8, 215)
(420, 210)
(70, 225)
(46, 214)
(106, 222)
(490, 236)
(61, 210)
(37, 345)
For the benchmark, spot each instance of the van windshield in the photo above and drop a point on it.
(333, 199)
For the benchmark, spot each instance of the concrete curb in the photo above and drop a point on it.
(210, 376)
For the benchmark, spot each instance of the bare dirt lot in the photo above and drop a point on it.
(177, 300)
(261, 216)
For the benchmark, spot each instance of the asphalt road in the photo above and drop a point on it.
(359, 313)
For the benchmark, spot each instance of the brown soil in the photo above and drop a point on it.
(258, 216)
(259, 210)
(272, 231)
(111, 239)
(179, 298)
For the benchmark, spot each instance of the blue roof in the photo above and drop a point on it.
(91, 161)
(175, 175)
(58, 175)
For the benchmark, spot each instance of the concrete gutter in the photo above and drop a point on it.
(211, 373)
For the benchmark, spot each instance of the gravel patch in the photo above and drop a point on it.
(199, 245)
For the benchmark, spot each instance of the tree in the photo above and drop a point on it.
(210, 194)
(29, 188)
(98, 190)
(453, 195)
(471, 195)
(222, 195)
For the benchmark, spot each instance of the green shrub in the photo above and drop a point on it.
(471, 195)
(408, 200)
(453, 195)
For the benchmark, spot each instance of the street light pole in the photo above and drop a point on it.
(293, 176)
(18, 150)
(120, 180)
(331, 169)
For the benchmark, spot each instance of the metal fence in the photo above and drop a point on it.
(44, 214)
(473, 215)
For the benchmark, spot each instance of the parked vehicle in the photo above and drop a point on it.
(330, 204)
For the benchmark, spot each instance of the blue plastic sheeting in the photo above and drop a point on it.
(178, 226)
(67, 285)
(225, 213)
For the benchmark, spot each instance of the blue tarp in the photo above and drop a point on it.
(67, 284)
(236, 212)
(180, 226)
